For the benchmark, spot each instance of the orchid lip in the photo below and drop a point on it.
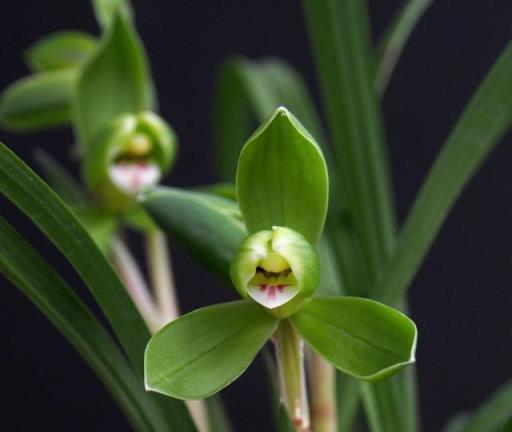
(132, 177)
(272, 296)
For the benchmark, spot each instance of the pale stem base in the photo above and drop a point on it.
(165, 309)
(135, 284)
(322, 379)
(162, 280)
(290, 362)
(161, 276)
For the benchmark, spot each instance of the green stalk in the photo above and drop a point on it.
(162, 280)
(290, 362)
(135, 284)
(340, 37)
(322, 376)
(161, 275)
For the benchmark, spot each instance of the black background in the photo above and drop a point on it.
(461, 298)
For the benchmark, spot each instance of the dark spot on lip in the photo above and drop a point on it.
(275, 275)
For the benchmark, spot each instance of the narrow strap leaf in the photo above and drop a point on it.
(40, 101)
(381, 401)
(492, 414)
(457, 422)
(395, 38)
(348, 401)
(42, 285)
(218, 420)
(508, 426)
(61, 181)
(27, 191)
(480, 128)
(202, 352)
(340, 37)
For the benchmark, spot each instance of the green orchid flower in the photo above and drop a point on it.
(282, 190)
(127, 155)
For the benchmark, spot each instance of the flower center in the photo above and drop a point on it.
(272, 288)
(133, 176)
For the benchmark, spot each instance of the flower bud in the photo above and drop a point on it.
(127, 155)
(278, 269)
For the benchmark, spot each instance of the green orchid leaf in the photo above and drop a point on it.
(61, 50)
(115, 81)
(382, 404)
(106, 10)
(28, 271)
(489, 416)
(485, 120)
(340, 37)
(457, 422)
(284, 424)
(204, 351)
(508, 426)
(99, 224)
(61, 181)
(330, 281)
(218, 420)
(282, 178)
(395, 37)
(208, 227)
(38, 102)
(348, 397)
(246, 93)
(29, 193)
(361, 337)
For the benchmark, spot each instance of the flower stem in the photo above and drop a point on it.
(161, 275)
(162, 280)
(135, 284)
(322, 379)
(290, 362)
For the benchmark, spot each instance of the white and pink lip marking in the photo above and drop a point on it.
(132, 177)
(272, 296)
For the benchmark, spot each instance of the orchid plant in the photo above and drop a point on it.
(301, 226)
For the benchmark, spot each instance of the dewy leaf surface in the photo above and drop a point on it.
(361, 337)
(203, 351)
(282, 178)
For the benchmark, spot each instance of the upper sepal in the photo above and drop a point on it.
(282, 178)
(277, 268)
